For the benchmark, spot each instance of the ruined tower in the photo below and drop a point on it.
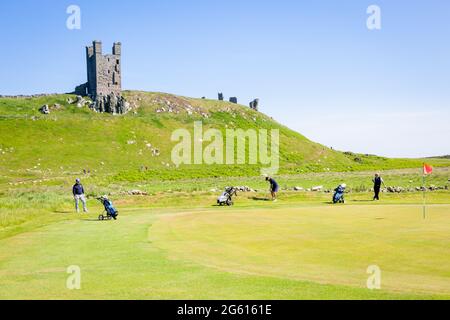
(104, 77)
(103, 71)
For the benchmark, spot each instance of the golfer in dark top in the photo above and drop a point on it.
(78, 195)
(274, 188)
(377, 182)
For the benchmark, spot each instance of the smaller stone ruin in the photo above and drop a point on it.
(254, 105)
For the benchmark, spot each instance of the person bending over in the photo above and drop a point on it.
(274, 188)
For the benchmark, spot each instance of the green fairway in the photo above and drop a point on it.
(274, 251)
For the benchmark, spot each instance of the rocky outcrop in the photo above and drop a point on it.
(110, 104)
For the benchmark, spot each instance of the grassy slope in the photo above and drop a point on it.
(35, 146)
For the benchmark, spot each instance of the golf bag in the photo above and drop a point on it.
(111, 212)
(227, 197)
(339, 194)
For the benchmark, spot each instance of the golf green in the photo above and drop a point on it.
(297, 252)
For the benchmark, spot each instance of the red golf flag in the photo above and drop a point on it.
(427, 169)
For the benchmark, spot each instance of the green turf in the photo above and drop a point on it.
(287, 250)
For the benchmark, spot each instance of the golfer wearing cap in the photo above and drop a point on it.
(78, 194)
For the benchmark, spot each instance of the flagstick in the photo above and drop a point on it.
(424, 203)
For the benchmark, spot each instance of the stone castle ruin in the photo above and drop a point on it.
(254, 105)
(104, 85)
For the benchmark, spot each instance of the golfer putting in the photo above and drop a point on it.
(274, 188)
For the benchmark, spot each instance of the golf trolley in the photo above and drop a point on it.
(110, 212)
(339, 194)
(227, 197)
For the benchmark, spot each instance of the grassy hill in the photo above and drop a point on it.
(164, 241)
(72, 139)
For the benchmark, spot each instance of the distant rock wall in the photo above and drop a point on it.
(21, 96)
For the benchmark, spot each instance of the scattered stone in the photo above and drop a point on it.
(316, 189)
(244, 189)
(298, 189)
(44, 109)
(395, 189)
(137, 193)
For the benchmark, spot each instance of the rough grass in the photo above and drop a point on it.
(29, 202)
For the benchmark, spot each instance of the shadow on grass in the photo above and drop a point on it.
(94, 220)
(63, 211)
(261, 199)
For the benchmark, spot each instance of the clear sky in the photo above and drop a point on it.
(314, 64)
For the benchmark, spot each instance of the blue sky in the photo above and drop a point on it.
(314, 64)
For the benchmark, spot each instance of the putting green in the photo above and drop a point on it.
(300, 252)
(328, 245)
